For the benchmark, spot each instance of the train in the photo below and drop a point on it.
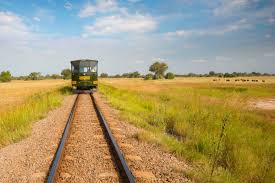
(84, 74)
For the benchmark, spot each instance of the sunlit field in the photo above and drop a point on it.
(210, 122)
(16, 92)
(23, 102)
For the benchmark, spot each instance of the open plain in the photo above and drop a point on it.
(220, 125)
(181, 130)
(16, 92)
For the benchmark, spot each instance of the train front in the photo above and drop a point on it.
(84, 74)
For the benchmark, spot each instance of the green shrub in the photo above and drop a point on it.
(169, 75)
(148, 77)
(5, 76)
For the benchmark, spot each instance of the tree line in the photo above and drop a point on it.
(225, 75)
(157, 70)
(6, 76)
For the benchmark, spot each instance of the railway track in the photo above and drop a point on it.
(87, 151)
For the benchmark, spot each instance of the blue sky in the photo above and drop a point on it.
(128, 35)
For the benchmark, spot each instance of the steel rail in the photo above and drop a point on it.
(125, 170)
(60, 150)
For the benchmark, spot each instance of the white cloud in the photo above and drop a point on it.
(199, 61)
(68, 5)
(230, 7)
(121, 24)
(181, 33)
(267, 36)
(36, 19)
(12, 27)
(218, 31)
(101, 6)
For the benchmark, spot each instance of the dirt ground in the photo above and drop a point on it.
(265, 104)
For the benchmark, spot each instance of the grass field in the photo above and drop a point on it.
(23, 102)
(16, 92)
(209, 123)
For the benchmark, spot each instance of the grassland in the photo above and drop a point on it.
(23, 102)
(207, 123)
(16, 92)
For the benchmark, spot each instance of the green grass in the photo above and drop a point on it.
(210, 127)
(15, 124)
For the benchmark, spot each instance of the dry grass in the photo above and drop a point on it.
(209, 123)
(23, 102)
(202, 83)
(16, 92)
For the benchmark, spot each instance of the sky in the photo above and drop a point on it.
(129, 35)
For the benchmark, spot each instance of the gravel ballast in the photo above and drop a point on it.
(29, 159)
(87, 157)
(148, 162)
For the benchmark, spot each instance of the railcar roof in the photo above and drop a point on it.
(83, 60)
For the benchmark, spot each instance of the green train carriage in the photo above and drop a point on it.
(84, 74)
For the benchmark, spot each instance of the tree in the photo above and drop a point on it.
(117, 76)
(148, 77)
(5, 76)
(169, 75)
(135, 74)
(66, 74)
(158, 68)
(103, 75)
(35, 76)
(56, 76)
(212, 73)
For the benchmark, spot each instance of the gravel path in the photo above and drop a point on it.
(29, 159)
(87, 156)
(147, 161)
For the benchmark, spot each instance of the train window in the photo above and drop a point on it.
(74, 69)
(94, 69)
(87, 67)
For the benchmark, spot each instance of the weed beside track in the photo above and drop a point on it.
(15, 123)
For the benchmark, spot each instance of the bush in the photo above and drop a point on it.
(34, 76)
(56, 76)
(169, 75)
(103, 75)
(5, 76)
(148, 77)
(66, 74)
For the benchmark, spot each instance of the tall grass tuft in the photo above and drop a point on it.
(225, 141)
(15, 124)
